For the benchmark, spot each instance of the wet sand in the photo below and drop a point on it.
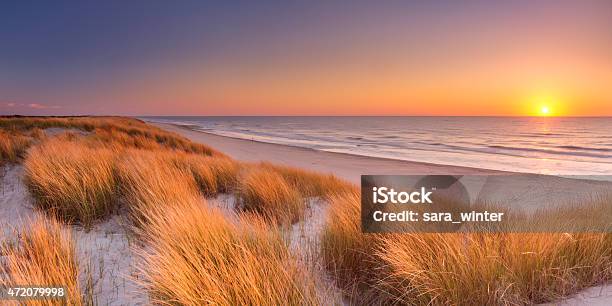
(347, 166)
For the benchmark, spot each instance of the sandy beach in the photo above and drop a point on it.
(347, 166)
(527, 191)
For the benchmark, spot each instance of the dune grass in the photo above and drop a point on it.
(485, 268)
(150, 183)
(13, 146)
(141, 136)
(266, 193)
(280, 193)
(225, 172)
(213, 175)
(201, 171)
(84, 177)
(195, 256)
(459, 268)
(71, 181)
(74, 176)
(309, 183)
(346, 251)
(44, 254)
(127, 132)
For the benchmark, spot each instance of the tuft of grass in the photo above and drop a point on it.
(309, 183)
(213, 174)
(266, 193)
(71, 181)
(225, 171)
(459, 268)
(13, 146)
(486, 268)
(346, 251)
(37, 133)
(202, 173)
(150, 182)
(196, 256)
(127, 132)
(43, 254)
(114, 137)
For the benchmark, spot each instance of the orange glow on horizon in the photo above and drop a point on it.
(482, 59)
(547, 105)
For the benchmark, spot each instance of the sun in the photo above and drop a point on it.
(544, 105)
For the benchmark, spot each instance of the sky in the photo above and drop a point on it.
(306, 58)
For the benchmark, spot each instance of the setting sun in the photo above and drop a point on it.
(546, 104)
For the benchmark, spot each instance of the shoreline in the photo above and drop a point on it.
(344, 165)
(507, 185)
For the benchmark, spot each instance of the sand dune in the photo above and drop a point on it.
(108, 249)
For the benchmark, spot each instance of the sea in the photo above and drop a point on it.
(544, 145)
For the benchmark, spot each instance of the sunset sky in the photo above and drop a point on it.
(289, 58)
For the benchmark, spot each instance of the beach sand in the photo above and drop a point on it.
(346, 166)
(527, 191)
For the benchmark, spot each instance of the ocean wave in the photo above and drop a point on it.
(585, 148)
(548, 151)
(573, 145)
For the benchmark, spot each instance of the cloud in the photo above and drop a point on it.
(40, 106)
(31, 105)
(36, 105)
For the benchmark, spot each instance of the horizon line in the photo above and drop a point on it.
(467, 116)
(284, 115)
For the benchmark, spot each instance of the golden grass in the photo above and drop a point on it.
(113, 137)
(459, 268)
(13, 146)
(37, 133)
(160, 185)
(150, 182)
(225, 171)
(72, 175)
(213, 174)
(126, 132)
(44, 255)
(280, 193)
(201, 171)
(83, 123)
(195, 256)
(72, 181)
(309, 183)
(481, 268)
(266, 193)
(346, 251)
(192, 254)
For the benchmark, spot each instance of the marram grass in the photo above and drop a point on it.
(71, 181)
(43, 254)
(193, 254)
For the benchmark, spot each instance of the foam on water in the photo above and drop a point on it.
(547, 145)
